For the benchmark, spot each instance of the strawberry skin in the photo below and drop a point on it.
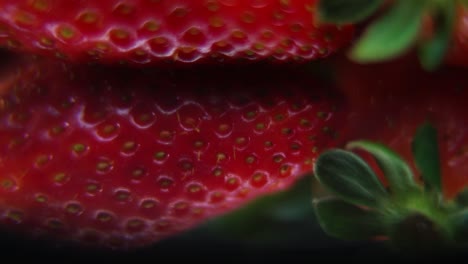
(121, 159)
(390, 110)
(149, 31)
(458, 53)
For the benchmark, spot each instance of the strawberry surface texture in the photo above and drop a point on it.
(153, 31)
(120, 158)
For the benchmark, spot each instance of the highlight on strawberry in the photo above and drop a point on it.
(391, 28)
(409, 214)
(156, 31)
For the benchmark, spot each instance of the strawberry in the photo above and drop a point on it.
(395, 28)
(152, 31)
(395, 107)
(458, 53)
(401, 175)
(120, 158)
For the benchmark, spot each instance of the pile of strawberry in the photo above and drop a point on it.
(125, 122)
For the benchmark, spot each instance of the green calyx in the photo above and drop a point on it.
(409, 214)
(397, 29)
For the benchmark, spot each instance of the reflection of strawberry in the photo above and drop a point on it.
(401, 109)
(122, 159)
(145, 31)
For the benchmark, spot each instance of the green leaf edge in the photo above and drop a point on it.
(334, 168)
(426, 156)
(390, 36)
(432, 53)
(399, 175)
(346, 221)
(347, 11)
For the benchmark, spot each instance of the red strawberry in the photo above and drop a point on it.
(122, 159)
(389, 109)
(419, 197)
(458, 54)
(151, 31)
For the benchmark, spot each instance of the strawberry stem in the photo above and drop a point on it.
(409, 215)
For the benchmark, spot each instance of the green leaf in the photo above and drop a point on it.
(348, 176)
(462, 198)
(459, 222)
(347, 221)
(347, 11)
(432, 53)
(391, 35)
(426, 156)
(395, 169)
